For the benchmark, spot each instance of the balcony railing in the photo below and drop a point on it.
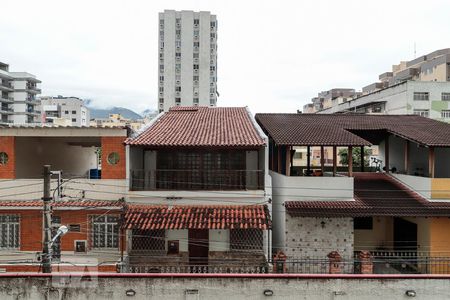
(7, 85)
(201, 269)
(142, 180)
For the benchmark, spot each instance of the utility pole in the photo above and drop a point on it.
(46, 257)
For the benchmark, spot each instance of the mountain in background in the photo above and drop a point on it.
(103, 113)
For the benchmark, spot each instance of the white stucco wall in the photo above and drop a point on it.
(219, 240)
(180, 235)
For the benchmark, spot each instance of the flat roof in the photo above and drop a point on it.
(61, 131)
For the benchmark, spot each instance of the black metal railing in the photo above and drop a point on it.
(142, 180)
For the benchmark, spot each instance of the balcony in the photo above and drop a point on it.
(6, 99)
(198, 179)
(32, 88)
(6, 86)
(6, 110)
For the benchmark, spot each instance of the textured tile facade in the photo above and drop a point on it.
(309, 237)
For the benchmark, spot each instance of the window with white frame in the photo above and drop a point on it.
(445, 96)
(421, 96)
(422, 112)
(105, 231)
(9, 231)
(445, 113)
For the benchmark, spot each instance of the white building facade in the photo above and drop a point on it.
(425, 98)
(187, 59)
(69, 111)
(18, 92)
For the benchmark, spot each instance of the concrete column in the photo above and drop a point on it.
(386, 154)
(308, 160)
(407, 157)
(362, 158)
(322, 159)
(334, 160)
(431, 158)
(335, 262)
(288, 160)
(350, 161)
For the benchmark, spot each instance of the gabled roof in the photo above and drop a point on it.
(376, 194)
(201, 127)
(339, 129)
(154, 217)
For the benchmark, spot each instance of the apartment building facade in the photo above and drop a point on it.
(419, 86)
(18, 102)
(69, 111)
(187, 59)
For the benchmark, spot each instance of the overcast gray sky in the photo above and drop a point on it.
(273, 56)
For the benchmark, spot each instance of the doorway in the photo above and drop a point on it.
(405, 235)
(198, 246)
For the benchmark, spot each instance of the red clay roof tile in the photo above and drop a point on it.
(197, 217)
(201, 126)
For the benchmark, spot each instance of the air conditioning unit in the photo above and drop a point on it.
(80, 246)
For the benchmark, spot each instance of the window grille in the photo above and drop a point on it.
(9, 231)
(246, 240)
(148, 240)
(419, 96)
(105, 232)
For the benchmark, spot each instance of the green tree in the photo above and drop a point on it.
(343, 156)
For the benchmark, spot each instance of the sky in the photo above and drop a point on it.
(273, 56)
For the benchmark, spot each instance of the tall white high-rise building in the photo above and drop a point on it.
(187, 58)
(18, 92)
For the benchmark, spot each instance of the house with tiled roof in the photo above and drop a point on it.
(394, 205)
(197, 191)
(87, 188)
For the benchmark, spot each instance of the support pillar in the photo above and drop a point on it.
(350, 161)
(386, 154)
(322, 160)
(431, 162)
(334, 160)
(288, 160)
(362, 158)
(308, 160)
(407, 157)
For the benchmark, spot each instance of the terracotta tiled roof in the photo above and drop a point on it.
(197, 217)
(201, 126)
(329, 130)
(81, 204)
(376, 194)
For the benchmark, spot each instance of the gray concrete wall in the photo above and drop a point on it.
(212, 287)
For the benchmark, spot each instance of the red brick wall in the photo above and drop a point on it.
(109, 145)
(7, 144)
(58, 268)
(31, 224)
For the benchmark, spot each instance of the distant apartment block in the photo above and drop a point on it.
(187, 59)
(328, 98)
(420, 86)
(117, 120)
(18, 92)
(68, 111)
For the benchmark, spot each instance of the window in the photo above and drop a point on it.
(212, 68)
(419, 96)
(213, 24)
(161, 100)
(178, 31)
(246, 240)
(148, 240)
(74, 112)
(196, 44)
(196, 77)
(177, 54)
(74, 228)
(422, 112)
(211, 90)
(178, 89)
(113, 158)
(161, 78)
(66, 112)
(161, 89)
(195, 101)
(444, 114)
(363, 223)
(161, 67)
(195, 67)
(445, 96)
(178, 101)
(3, 158)
(178, 43)
(196, 22)
(196, 55)
(105, 232)
(74, 119)
(9, 231)
(161, 22)
(177, 77)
